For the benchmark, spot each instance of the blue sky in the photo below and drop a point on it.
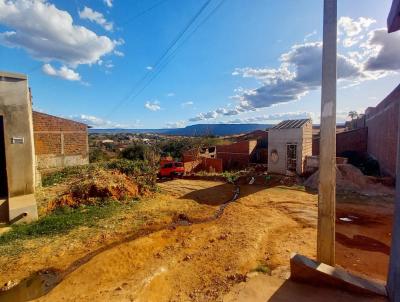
(257, 62)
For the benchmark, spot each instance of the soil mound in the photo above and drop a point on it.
(97, 186)
(351, 179)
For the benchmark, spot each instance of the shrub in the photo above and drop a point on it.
(97, 155)
(231, 177)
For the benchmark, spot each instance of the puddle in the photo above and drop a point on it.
(37, 285)
(42, 282)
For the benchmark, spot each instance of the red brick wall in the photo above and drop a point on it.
(382, 122)
(58, 136)
(46, 122)
(204, 164)
(237, 155)
(354, 140)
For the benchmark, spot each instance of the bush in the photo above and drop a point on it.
(231, 177)
(97, 155)
(134, 152)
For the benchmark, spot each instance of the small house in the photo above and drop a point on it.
(289, 142)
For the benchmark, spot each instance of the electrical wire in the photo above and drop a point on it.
(167, 57)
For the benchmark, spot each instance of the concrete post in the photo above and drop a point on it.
(327, 170)
(393, 283)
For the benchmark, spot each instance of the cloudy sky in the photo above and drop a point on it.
(172, 63)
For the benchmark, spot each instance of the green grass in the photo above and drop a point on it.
(59, 176)
(60, 221)
(262, 268)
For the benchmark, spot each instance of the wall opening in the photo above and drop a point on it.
(291, 162)
(3, 166)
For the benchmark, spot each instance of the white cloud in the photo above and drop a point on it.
(383, 50)
(308, 36)
(109, 3)
(170, 94)
(119, 53)
(353, 30)
(272, 117)
(178, 124)
(149, 67)
(64, 72)
(187, 104)
(48, 33)
(93, 16)
(152, 106)
(99, 123)
(300, 69)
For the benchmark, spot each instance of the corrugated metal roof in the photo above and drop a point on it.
(291, 124)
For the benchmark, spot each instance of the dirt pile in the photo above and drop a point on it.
(351, 179)
(97, 185)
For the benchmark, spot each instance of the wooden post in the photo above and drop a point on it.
(327, 169)
(393, 283)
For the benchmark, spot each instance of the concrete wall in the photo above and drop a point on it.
(15, 107)
(353, 140)
(278, 139)
(382, 122)
(59, 142)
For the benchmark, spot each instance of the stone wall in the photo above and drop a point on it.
(59, 142)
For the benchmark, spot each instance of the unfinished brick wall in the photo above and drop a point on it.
(354, 140)
(382, 122)
(237, 155)
(59, 142)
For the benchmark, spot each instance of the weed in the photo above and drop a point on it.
(62, 175)
(60, 221)
(262, 268)
(230, 177)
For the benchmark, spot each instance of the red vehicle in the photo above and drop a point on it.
(171, 169)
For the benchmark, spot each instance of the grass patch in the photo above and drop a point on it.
(60, 221)
(262, 268)
(62, 175)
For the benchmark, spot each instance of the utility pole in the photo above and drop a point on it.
(327, 165)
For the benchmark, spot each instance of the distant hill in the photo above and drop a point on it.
(194, 130)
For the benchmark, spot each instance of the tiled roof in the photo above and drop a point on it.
(291, 124)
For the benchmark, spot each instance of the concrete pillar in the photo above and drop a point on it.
(16, 110)
(327, 175)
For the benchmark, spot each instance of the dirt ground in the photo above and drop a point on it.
(173, 247)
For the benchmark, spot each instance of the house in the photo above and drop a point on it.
(31, 143)
(289, 142)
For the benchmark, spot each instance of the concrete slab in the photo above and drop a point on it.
(23, 208)
(317, 274)
(264, 288)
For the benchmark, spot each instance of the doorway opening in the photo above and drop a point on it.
(291, 155)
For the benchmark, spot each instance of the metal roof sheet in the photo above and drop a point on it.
(291, 124)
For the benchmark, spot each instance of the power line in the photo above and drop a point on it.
(143, 12)
(173, 54)
(161, 58)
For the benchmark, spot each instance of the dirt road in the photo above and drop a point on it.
(187, 254)
(200, 262)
